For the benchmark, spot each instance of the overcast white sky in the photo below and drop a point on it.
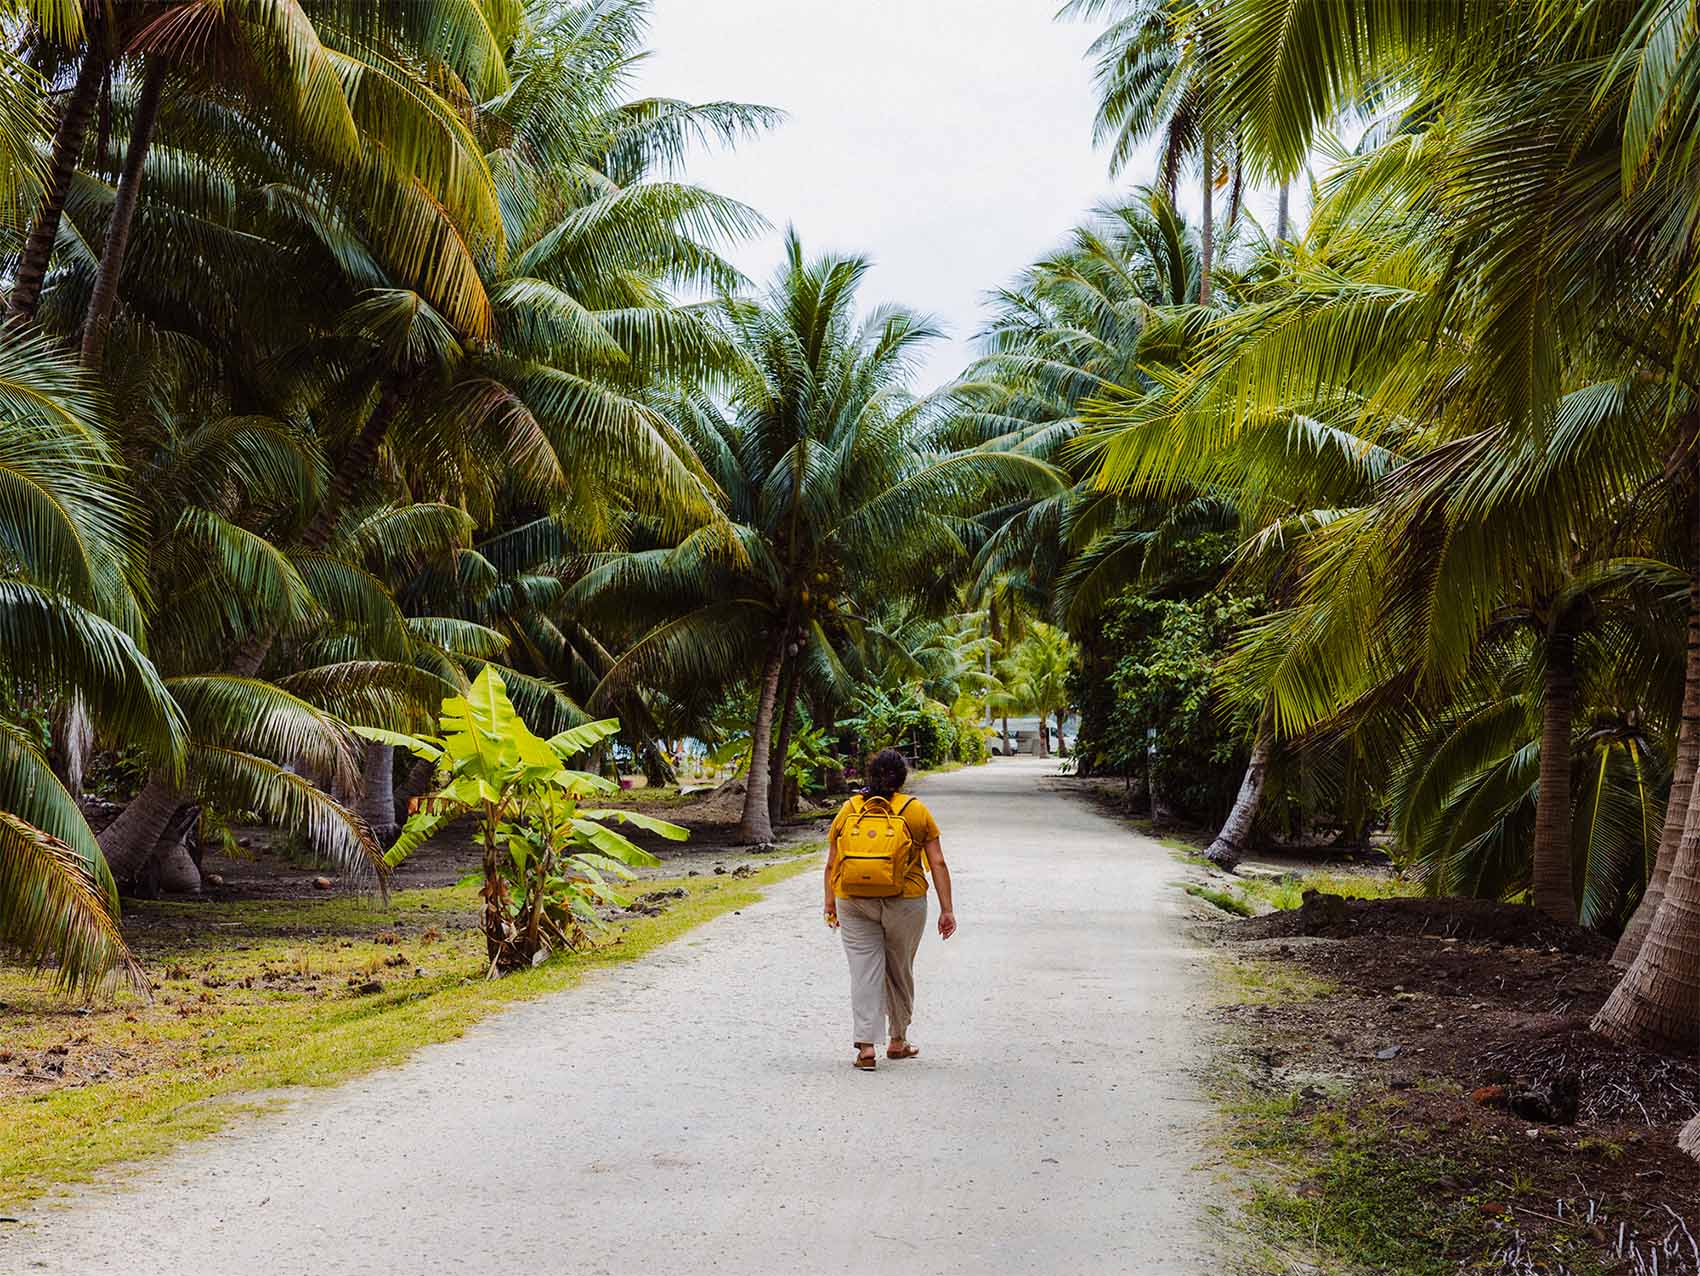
(951, 140)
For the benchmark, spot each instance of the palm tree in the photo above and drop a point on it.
(69, 625)
(550, 412)
(1106, 318)
(67, 145)
(1468, 784)
(833, 487)
(367, 284)
(342, 92)
(1037, 677)
(286, 70)
(1684, 764)
(1155, 74)
(1096, 315)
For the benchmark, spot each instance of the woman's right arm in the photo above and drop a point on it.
(831, 871)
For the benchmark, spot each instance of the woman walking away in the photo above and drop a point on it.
(883, 844)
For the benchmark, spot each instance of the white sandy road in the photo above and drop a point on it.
(696, 1111)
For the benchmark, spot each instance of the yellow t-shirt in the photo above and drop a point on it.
(923, 828)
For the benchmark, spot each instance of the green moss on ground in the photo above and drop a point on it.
(660, 795)
(254, 997)
(1248, 981)
(1227, 901)
(1249, 896)
(1184, 852)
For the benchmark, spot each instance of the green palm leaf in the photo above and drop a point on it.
(53, 909)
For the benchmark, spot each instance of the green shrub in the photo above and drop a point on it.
(971, 747)
(903, 720)
(1161, 674)
(934, 739)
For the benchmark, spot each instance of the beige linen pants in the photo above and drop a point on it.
(880, 939)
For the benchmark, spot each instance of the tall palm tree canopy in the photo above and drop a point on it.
(835, 485)
(392, 275)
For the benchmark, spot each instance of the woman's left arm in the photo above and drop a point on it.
(941, 882)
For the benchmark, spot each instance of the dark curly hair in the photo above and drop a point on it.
(886, 773)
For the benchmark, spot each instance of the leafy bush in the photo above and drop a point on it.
(904, 720)
(808, 756)
(934, 738)
(547, 860)
(1164, 658)
(971, 747)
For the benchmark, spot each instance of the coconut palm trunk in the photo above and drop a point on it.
(1207, 222)
(1657, 1002)
(131, 840)
(377, 792)
(1682, 780)
(1552, 887)
(415, 784)
(1235, 834)
(44, 231)
(1062, 749)
(757, 824)
(776, 770)
(104, 299)
(1281, 218)
(74, 737)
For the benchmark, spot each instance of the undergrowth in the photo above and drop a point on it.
(1343, 1188)
(1330, 1185)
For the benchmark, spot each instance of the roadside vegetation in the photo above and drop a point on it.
(1388, 1117)
(1247, 897)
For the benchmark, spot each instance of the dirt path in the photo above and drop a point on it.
(696, 1112)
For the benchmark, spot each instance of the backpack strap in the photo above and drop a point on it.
(915, 847)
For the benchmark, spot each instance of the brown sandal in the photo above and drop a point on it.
(908, 1052)
(863, 1062)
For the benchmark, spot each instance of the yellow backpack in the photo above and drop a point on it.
(874, 850)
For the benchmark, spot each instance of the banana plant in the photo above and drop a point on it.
(548, 859)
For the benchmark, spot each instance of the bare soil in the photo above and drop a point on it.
(1468, 1020)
